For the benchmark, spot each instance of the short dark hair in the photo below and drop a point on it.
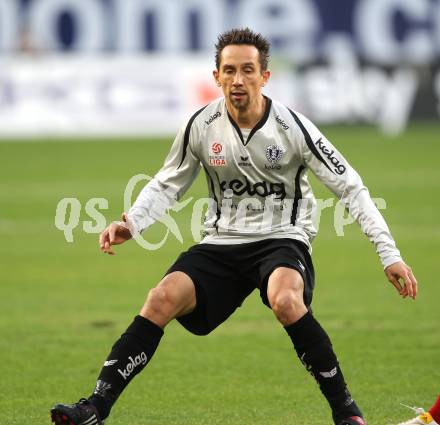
(243, 36)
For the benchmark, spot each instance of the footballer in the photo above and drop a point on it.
(255, 154)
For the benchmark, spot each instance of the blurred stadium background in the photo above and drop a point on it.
(91, 94)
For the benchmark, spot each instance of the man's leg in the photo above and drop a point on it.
(174, 296)
(285, 294)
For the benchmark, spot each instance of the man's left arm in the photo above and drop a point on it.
(335, 172)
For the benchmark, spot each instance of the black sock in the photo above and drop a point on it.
(315, 351)
(128, 357)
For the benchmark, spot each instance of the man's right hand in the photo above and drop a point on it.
(114, 234)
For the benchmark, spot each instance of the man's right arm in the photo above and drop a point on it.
(169, 184)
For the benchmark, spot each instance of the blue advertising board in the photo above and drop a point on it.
(337, 61)
(385, 32)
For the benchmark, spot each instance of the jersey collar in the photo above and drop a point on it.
(257, 126)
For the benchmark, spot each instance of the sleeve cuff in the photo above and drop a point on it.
(388, 261)
(131, 225)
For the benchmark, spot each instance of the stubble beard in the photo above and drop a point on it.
(240, 106)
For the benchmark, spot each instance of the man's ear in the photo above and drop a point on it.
(266, 75)
(215, 74)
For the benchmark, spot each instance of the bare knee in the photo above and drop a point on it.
(160, 301)
(285, 294)
(173, 296)
(288, 307)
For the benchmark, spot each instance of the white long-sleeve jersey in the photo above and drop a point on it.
(258, 186)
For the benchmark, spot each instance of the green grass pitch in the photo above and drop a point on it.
(63, 304)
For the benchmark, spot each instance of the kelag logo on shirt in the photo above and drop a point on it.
(258, 188)
(281, 122)
(213, 117)
(339, 168)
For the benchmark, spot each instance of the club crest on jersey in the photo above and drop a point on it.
(273, 154)
(216, 159)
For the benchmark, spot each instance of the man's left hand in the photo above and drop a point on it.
(403, 279)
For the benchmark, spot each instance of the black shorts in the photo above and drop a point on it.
(224, 275)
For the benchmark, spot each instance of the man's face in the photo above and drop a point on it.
(240, 75)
